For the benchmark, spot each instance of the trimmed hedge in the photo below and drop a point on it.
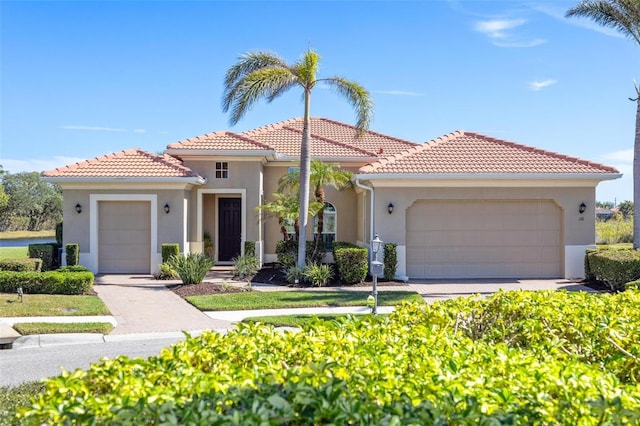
(287, 253)
(169, 250)
(72, 254)
(59, 233)
(509, 359)
(615, 267)
(352, 262)
(48, 252)
(21, 265)
(50, 282)
(390, 261)
(250, 248)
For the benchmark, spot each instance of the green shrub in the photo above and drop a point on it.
(507, 359)
(287, 253)
(50, 282)
(191, 268)
(318, 275)
(295, 274)
(47, 252)
(75, 268)
(72, 254)
(245, 265)
(20, 265)
(169, 250)
(59, 233)
(615, 230)
(250, 248)
(632, 285)
(166, 272)
(615, 267)
(352, 264)
(390, 261)
(588, 274)
(207, 242)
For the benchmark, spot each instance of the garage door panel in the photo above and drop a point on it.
(484, 239)
(124, 236)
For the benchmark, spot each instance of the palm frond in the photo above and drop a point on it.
(358, 97)
(621, 15)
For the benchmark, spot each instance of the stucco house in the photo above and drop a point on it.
(463, 205)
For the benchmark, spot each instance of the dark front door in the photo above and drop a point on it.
(228, 228)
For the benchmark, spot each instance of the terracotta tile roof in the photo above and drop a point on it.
(222, 140)
(328, 139)
(466, 152)
(131, 163)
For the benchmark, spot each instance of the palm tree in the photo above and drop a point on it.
(322, 175)
(286, 208)
(259, 75)
(624, 17)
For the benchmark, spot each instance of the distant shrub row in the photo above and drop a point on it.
(70, 280)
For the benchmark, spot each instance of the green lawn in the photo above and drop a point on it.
(50, 305)
(13, 252)
(15, 235)
(298, 320)
(296, 299)
(54, 327)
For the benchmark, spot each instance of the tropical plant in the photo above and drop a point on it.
(208, 244)
(322, 175)
(166, 272)
(191, 268)
(318, 275)
(295, 274)
(624, 17)
(287, 209)
(245, 265)
(259, 75)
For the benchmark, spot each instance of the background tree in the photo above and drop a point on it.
(624, 17)
(259, 75)
(625, 208)
(287, 209)
(33, 204)
(322, 175)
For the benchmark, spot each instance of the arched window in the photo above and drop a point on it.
(329, 227)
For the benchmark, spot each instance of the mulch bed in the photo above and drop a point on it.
(204, 288)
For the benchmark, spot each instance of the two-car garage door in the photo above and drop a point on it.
(484, 239)
(124, 236)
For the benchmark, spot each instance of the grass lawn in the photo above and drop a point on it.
(15, 235)
(298, 320)
(53, 327)
(50, 305)
(14, 252)
(296, 299)
(12, 397)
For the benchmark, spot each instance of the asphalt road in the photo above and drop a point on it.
(28, 364)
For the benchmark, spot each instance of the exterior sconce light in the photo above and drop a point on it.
(582, 208)
(78, 208)
(390, 208)
(166, 208)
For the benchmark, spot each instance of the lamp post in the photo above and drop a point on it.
(376, 268)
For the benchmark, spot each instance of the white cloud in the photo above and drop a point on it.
(539, 85)
(37, 165)
(559, 12)
(398, 92)
(502, 34)
(496, 28)
(94, 128)
(624, 156)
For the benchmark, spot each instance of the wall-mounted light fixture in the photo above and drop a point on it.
(390, 208)
(78, 208)
(166, 208)
(582, 208)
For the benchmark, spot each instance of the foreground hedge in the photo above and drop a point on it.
(515, 358)
(21, 264)
(50, 282)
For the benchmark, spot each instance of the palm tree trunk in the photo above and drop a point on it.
(305, 171)
(636, 177)
(320, 197)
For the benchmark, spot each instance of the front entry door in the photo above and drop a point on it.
(229, 228)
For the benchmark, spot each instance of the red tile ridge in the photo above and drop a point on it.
(542, 151)
(333, 141)
(367, 131)
(272, 126)
(211, 135)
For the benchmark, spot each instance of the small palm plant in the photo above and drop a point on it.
(319, 275)
(191, 268)
(295, 274)
(245, 265)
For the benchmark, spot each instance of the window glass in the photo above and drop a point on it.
(222, 170)
(329, 227)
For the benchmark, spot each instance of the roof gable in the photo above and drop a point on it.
(131, 163)
(463, 152)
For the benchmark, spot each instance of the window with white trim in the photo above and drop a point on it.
(222, 170)
(329, 226)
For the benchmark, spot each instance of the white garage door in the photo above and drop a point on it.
(484, 239)
(124, 236)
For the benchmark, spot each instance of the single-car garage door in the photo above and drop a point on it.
(124, 236)
(484, 239)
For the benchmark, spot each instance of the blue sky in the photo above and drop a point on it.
(81, 79)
